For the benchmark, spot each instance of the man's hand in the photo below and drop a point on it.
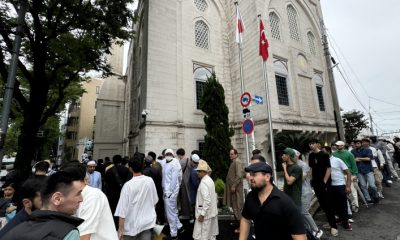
(233, 189)
(200, 218)
(284, 166)
(348, 189)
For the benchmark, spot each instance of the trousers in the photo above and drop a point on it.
(171, 210)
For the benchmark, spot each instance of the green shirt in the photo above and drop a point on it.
(294, 190)
(348, 158)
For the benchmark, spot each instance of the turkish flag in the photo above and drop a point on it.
(263, 43)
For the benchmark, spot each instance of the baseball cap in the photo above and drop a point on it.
(259, 167)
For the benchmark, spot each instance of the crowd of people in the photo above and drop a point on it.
(123, 198)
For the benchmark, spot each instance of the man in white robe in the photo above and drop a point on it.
(206, 211)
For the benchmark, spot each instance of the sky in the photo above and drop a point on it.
(364, 39)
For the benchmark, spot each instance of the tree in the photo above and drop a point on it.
(353, 121)
(217, 140)
(61, 41)
(295, 140)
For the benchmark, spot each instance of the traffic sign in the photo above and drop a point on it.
(248, 126)
(246, 113)
(245, 99)
(258, 99)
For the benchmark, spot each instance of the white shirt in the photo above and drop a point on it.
(171, 178)
(96, 212)
(137, 205)
(337, 168)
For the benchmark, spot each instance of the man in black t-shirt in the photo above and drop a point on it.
(321, 182)
(274, 213)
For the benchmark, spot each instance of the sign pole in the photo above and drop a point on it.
(271, 133)
(242, 87)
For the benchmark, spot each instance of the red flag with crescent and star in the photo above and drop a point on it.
(240, 26)
(263, 43)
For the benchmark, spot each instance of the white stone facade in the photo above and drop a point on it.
(165, 52)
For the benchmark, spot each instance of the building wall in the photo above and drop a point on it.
(164, 84)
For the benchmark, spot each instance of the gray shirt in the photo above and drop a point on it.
(306, 187)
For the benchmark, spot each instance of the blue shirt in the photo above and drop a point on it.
(95, 180)
(364, 167)
(22, 216)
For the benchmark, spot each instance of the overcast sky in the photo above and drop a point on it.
(367, 37)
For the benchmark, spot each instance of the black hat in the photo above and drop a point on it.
(259, 167)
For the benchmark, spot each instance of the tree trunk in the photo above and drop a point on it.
(27, 141)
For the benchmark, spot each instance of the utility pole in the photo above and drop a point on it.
(336, 107)
(8, 95)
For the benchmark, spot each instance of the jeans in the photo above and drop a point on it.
(305, 211)
(364, 179)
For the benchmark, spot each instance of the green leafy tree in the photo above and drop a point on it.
(295, 140)
(217, 140)
(61, 41)
(353, 121)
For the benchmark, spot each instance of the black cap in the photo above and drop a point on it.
(259, 167)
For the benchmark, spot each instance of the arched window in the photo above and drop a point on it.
(311, 43)
(319, 85)
(281, 74)
(201, 5)
(293, 27)
(275, 26)
(201, 33)
(200, 75)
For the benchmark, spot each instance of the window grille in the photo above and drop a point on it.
(292, 16)
(320, 95)
(201, 5)
(311, 43)
(201, 74)
(275, 28)
(201, 33)
(281, 87)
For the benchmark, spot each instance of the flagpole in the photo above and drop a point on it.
(271, 134)
(242, 83)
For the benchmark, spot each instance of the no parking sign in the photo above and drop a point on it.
(248, 126)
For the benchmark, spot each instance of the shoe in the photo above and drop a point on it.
(334, 232)
(355, 209)
(351, 220)
(181, 230)
(376, 200)
(380, 195)
(390, 181)
(318, 234)
(347, 227)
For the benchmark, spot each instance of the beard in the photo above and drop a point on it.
(258, 187)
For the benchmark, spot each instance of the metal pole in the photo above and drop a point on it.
(242, 87)
(8, 95)
(271, 130)
(336, 107)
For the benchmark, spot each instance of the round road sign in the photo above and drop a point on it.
(248, 126)
(245, 99)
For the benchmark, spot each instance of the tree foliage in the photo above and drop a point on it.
(61, 41)
(353, 121)
(217, 139)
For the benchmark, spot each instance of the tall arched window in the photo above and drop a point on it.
(275, 26)
(293, 26)
(200, 75)
(281, 74)
(311, 43)
(319, 85)
(201, 33)
(201, 5)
